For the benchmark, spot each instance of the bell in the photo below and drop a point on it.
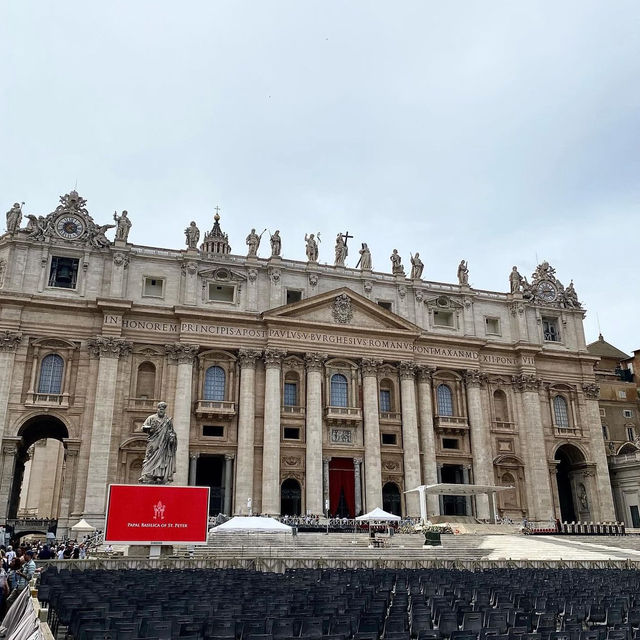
(64, 274)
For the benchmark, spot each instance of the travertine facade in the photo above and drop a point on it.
(291, 383)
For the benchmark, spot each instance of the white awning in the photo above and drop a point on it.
(250, 524)
(378, 514)
(83, 525)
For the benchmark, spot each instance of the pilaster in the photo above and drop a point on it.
(313, 462)
(410, 440)
(427, 436)
(9, 342)
(372, 462)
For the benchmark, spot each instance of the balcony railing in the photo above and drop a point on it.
(503, 425)
(147, 404)
(291, 410)
(390, 416)
(451, 422)
(48, 399)
(217, 408)
(564, 432)
(343, 414)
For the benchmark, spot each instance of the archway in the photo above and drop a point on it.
(391, 501)
(290, 498)
(569, 458)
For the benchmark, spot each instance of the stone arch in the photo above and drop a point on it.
(509, 470)
(570, 465)
(627, 447)
(290, 497)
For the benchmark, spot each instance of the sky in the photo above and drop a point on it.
(504, 133)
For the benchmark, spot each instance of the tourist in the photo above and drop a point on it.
(23, 576)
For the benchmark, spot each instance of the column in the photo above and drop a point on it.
(9, 342)
(313, 462)
(534, 444)
(109, 350)
(480, 439)
(440, 496)
(325, 476)
(271, 438)
(410, 440)
(193, 466)
(427, 437)
(372, 463)
(9, 451)
(68, 484)
(593, 428)
(246, 430)
(358, 485)
(183, 355)
(466, 478)
(228, 489)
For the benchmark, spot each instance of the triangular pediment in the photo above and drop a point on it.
(341, 308)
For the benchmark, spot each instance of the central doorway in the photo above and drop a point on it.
(568, 460)
(342, 488)
(210, 473)
(290, 498)
(453, 505)
(391, 500)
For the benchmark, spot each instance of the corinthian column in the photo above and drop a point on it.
(9, 341)
(183, 355)
(271, 438)
(410, 440)
(313, 463)
(372, 463)
(427, 437)
(480, 439)
(109, 350)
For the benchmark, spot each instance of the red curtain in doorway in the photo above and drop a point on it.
(341, 479)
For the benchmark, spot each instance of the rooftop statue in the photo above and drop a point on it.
(365, 258)
(253, 242)
(463, 273)
(192, 234)
(416, 267)
(123, 225)
(312, 247)
(159, 462)
(342, 251)
(14, 218)
(276, 243)
(396, 263)
(516, 281)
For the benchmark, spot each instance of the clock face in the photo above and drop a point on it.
(69, 227)
(547, 292)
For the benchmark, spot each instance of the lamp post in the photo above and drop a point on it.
(326, 510)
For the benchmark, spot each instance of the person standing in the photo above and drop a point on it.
(23, 577)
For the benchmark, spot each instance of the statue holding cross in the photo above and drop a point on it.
(342, 251)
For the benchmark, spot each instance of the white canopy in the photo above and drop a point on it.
(83, 525)
(378, 514)
(252, 523)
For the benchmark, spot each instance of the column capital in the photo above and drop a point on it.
(229, 456)
(326, 459)
(591, 390)
(525, 382)
(407, 370)
(474, 378)
(108, 347)
(248, 357)
(314, 361)
(273, 358)
(369, 366)
(9, 340)
(425, 373)
(181, 352)
(194, 456)
(357, 461)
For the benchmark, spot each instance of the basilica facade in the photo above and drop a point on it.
(295, 386)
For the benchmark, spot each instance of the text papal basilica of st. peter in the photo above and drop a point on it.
(291, 384)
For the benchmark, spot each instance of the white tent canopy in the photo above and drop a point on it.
(83, 526)
(249, 524)
(378, 514)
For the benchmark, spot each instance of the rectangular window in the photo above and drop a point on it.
(443, 318)
(212, 431)
(605, 432)
(492, 326)
(290, 394)
(385, 305)
(450, 443)
(389, 438)
(631, 434)
(550, 329)
(221, 292)
(385, 400)
(627, 413)
(603, 412)
(622, 395)
(293, 296)
(291, 433)
(64, 272)
(153, 287)
(635, 516)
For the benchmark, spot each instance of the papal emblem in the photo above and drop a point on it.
(342, 311)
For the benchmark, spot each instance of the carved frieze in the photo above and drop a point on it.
(341, 436)
(314, 361)
(252, 274)
(526, 382)
(108, 347)
(121, 259)
(248, 358)
(369, 366)
(591, 390)
(181, 353)
(313, 279)
(189, 268)
(390, 465)
(368, 286)
(10, 340)
(275, 274)
(292, 461)
(342, 311)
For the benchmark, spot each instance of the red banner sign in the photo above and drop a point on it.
(147, 513)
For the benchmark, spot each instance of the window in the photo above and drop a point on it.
(500, 406)
(389, 438)
(290, 394)
(385, 305)
(450, 443)
(214, 383)
(291, 433)
(64, 272)
(605, 432)
(561, 412)
(146, 380)
(153, 287)
(603, 412)
(492, 326)
(622, 395)
(443, 318)
(550, 330)
(221, 292)
(339, 395)
(293, 296)
(385, 400)
(631, 433)
(212, 431)
(627, 413)
(445, 400)
(51, 369)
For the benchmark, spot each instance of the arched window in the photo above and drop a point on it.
(445, 400)
(386, 396)
(561, 412)
(51, 369)
(214, 383)
(146, 380)
(339, 391)
(500, 406)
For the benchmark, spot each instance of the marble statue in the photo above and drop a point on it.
(365, 258)
(14, 218)
(463, 273)
(515, 280)
(571, 297)
(417, 267)
(123, 225)
(159, 462)
(311, 248)
(342, 251)
(253, 242)
(276, 244)
(396, 263)
(97, 236)
(192, 234)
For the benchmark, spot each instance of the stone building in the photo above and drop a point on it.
(291, 383)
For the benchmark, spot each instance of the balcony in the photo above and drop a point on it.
(142, 404)
(48, 399)
(220, 409)
(390, 416)
(502, 425)
(566, 432)
(451, 424)
(342, 415)
(292, 411)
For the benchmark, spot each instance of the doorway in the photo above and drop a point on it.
(453, 505)
(568, 457)
(391, 500)
(210, 473)
(290, 498)
(341, 488)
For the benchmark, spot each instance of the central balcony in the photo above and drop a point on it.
(451, 424)
(390, 416)
(48, 399)
(342, 415)
(220, 409)
(292, 410)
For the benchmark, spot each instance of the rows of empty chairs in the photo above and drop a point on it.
(366, 604)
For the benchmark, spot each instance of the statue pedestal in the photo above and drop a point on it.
(192, 253)
(151, 551)
(120, 244)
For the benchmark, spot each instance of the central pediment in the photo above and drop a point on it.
(341, 308)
